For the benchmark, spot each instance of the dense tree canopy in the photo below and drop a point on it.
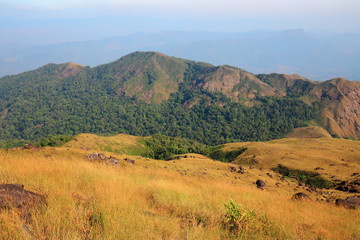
(39, 104)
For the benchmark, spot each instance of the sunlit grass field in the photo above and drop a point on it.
(154, 199)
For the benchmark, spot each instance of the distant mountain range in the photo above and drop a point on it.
(317, 57)
(145, 93)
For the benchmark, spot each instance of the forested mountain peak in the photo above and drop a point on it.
(149, 92)
(147, 76)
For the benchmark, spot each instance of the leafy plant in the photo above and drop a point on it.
(239, 219)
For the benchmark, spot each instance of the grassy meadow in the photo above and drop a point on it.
(184, 198)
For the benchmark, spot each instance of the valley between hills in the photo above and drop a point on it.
(157, 147)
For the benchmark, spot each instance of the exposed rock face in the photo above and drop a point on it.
(15, 196)
(342, 115)
(340, 98)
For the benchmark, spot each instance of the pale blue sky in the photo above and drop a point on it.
(231, 7)
(43, 21)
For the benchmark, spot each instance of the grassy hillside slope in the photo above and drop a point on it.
(338, 157)
(177, 199)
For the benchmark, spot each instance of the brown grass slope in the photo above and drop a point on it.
(338, 157)
(236, 83)
(69, 69)
(181, 199)
(309, 132)
(118, 144)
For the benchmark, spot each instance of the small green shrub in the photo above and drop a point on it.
(164, 147)
(225, 156)
(239, 219)
(54, 141)
(308, 177)
(244, 222)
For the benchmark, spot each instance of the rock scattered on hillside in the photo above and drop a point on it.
(232, 169)
(93, 156)
(241, 170)
(113, 161)
(97, 156)
(130, 161)
(261, 184)
(301, 196)
(346, 186)
(101, 156)
(29, 146)
(350, 202)
(15, 196)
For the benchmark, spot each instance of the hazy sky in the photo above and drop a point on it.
(43, 20)
(305, 5)
(334, 8)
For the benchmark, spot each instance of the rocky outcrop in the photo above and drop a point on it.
(350, 202)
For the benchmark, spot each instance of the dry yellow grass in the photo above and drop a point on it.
(309, 132)
(120, 143)
(152, 199)
(339, 157)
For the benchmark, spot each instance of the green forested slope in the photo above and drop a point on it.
(142, 94)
